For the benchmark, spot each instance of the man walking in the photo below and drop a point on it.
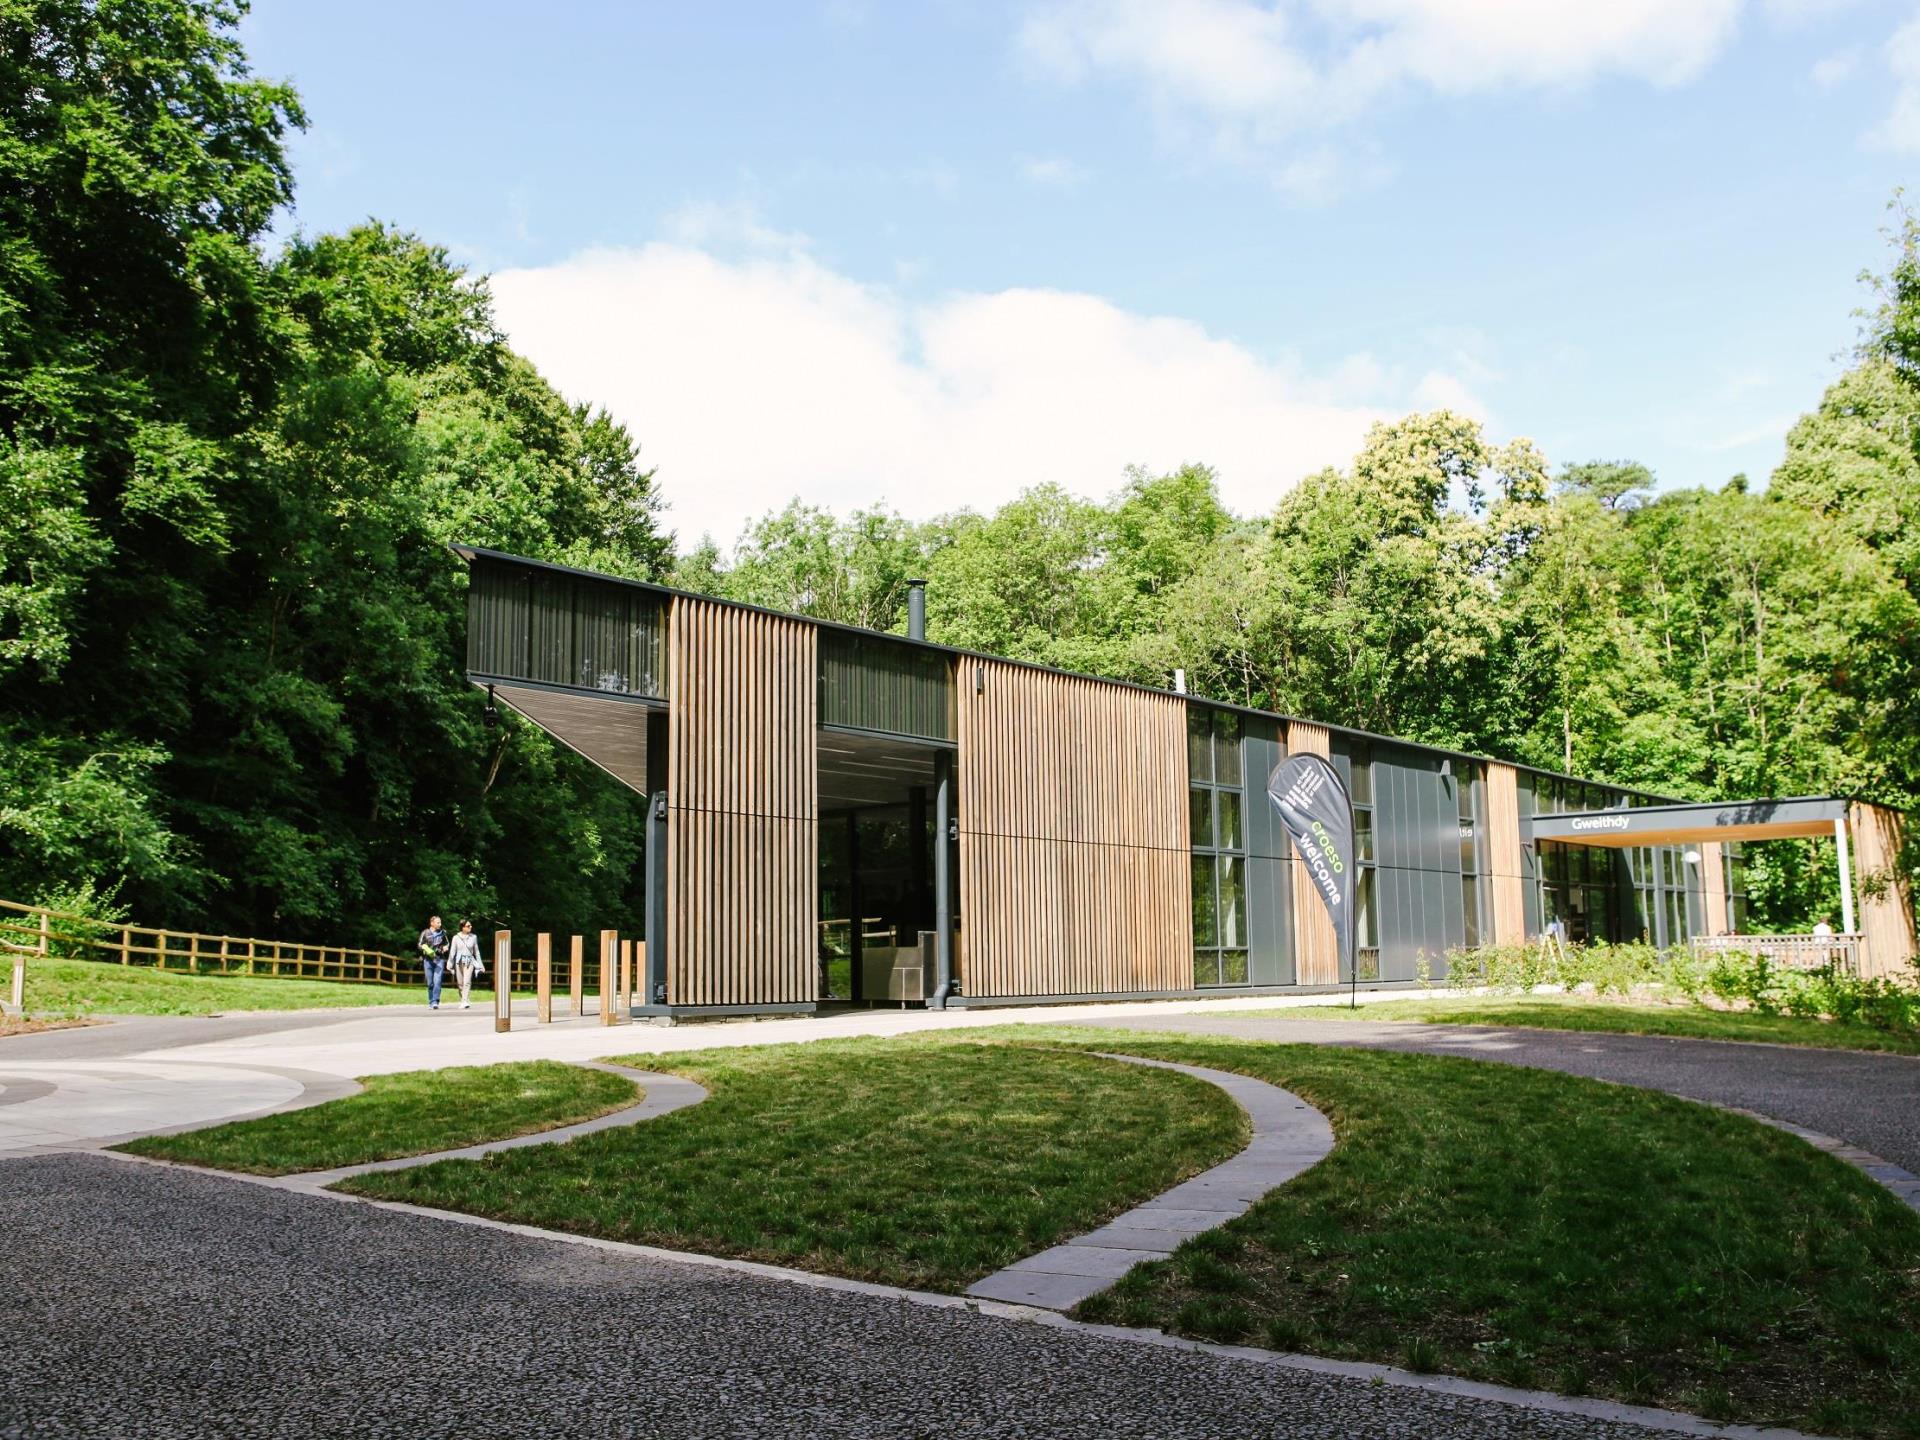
(434, 945)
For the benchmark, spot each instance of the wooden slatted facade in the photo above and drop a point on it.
(1074, 856)
(1886, 904)
(1505, 873)
(1316, 948)
(743, 807)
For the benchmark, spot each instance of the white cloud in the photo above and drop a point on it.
(1052, 173)
(750, 381)
(1256, 74)
(1900, 128)
(1835, 69)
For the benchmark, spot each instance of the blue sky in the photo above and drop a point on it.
(929, 255)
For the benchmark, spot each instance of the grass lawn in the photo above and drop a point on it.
(1641, 1017)
(915, 1162)
(63, 988)
(1546, 1230)
(407, 1114)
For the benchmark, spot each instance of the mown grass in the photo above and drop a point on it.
(1539, 1229)
(919, 1163)
(1620, 1017)
(413, 1113)
(71, 988)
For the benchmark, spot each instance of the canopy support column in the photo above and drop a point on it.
(1846, 877)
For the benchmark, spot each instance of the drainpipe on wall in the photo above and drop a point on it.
(942, 880)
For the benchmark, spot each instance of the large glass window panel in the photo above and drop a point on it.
(1227, 730)
(1206, 967)
(1233, 967)
(1363, 917)
(1360, 773)
(1229, 822)
(1199, 745)
(1200, 807)
(1469, 858)
(1206, 930)
(1363, 833)
(1233, 900)
(1470, 907)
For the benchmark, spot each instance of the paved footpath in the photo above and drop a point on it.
(1871, 1100)
(255, 1312)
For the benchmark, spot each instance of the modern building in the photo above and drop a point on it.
(841, 814)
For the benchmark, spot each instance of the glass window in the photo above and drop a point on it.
(1233, 900)
(1363, 834)
(1228, 727)
(1206, 967)
(1233, 967)
(1365, 932)
(1206, 931)
(1229, 831)
(1470, 907)
(1200, 802)
(1199, 745)
(1360, 772)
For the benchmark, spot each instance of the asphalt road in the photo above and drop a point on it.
(156, 1303)
(1871, 1100)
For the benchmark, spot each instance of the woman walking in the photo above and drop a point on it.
(466, 962)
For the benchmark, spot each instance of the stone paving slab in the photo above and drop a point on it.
(1289, 1136)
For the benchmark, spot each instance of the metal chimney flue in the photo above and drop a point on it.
(916, 609)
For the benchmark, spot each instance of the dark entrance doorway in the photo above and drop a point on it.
(878, 868)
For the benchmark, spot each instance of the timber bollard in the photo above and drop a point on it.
(625, 1001)
(502, 981)
(577, 975)
(543, 976)
(18, 1004)
(609, 972)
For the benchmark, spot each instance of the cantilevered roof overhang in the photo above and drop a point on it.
(1696, 824)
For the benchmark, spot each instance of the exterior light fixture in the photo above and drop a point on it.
(490, 717)
(1692, 857)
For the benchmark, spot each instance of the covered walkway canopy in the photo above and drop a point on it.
(1870, 833)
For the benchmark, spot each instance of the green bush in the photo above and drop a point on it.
(1733, 978)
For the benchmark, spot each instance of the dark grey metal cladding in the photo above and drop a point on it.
(874, 682)
(1269, 875)
(1419, 906)
(556, 628)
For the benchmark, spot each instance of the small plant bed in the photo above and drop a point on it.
(1623, 1017)
(34, 1024)
(1544, 1230)
(912, 1162)
(414, 1113)
(68, 988)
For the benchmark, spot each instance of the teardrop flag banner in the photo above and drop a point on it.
(1318, 813)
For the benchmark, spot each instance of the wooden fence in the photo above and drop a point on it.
(30, 931)
(1790, 952)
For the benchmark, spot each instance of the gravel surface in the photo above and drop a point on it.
(1871, 1100)
(157, 1303)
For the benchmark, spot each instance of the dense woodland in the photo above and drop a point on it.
(231, 634)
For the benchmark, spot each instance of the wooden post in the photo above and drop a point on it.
(126, 946)
(17, 996)
(502, 981)
(543, 976)
(609, 965)
(625, 1002)
(45, 922)
(639, 974)
(159, 949)
(577, 974)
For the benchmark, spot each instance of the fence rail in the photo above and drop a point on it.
(1792, 952)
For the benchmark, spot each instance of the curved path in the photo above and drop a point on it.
(661, 1094)
(1289, 1136)
(1871, 1101)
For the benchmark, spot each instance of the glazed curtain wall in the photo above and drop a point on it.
(743, 807)
(1074, 860)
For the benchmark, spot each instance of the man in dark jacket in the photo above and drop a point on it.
(434, 943)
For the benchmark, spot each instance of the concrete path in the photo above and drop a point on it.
(1289, 1136)
(1871, 1101)
(262, 1313)
(661, 1095)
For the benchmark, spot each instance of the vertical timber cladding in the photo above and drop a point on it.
(1074, 857)
(743, 807)
(1885, 914)
(1316, 949)
(1504, 871)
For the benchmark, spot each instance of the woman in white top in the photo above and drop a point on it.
(466, 962)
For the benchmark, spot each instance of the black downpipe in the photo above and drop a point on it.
(942, 880)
